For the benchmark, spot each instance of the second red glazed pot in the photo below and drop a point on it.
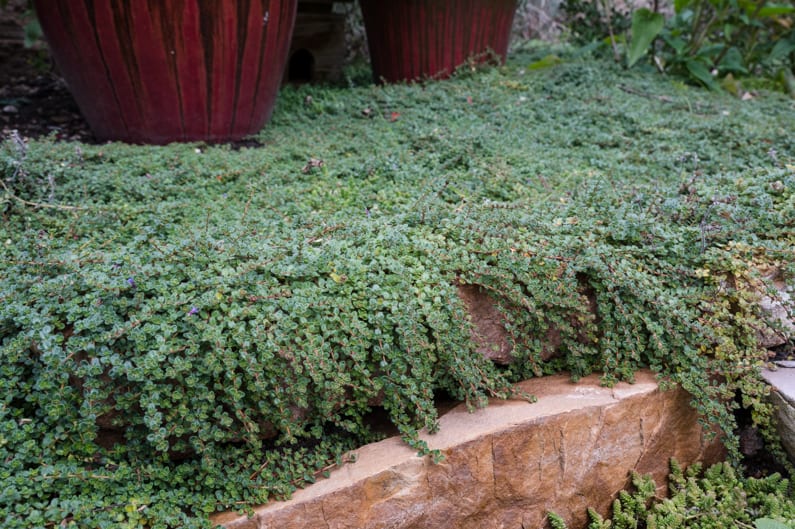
(420, 39)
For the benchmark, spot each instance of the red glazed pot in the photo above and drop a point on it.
(418, 39)
(158, 71)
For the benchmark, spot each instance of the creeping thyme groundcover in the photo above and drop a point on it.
(193, 328)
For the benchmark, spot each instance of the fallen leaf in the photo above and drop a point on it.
(313, 163)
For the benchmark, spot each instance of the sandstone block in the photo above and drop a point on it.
(489, 334)
(506, 465)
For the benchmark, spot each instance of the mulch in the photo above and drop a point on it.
(34, 99)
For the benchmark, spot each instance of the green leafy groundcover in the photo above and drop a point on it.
(188, 329)
(718, 498)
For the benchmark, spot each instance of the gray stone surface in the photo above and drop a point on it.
(778, 309)
(782, 381)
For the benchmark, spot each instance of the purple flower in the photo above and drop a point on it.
(131, 282)
(193, 311)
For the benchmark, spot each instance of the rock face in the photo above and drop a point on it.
(488, 326)
(783, 397)
(506, 465)
(490, 336)
(778, 309)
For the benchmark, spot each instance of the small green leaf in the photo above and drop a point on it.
(700, 72)
(772, 10)
(680, 5)
(556, 521)
(781, 49)
(546, 62)
(677, 43)
(733, 62)
(33, 33)
(767, 523)
(646, 25)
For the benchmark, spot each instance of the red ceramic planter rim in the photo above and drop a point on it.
(158, 71)
(428, 39)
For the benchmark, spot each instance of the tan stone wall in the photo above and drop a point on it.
(507, 465)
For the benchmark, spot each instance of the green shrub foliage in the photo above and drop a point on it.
(734, 44)
(588, 22)
(189, 329)
(726, 39)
